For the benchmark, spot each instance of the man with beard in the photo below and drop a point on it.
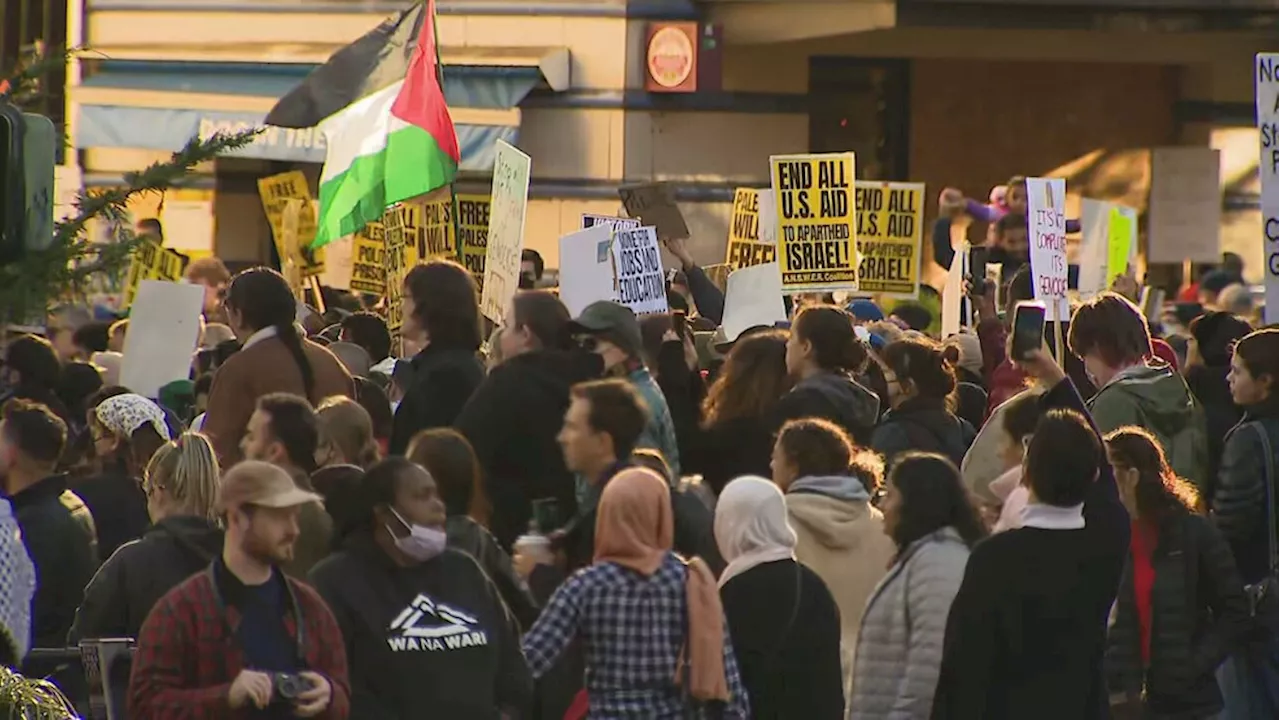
(241, 639)
(285, 432)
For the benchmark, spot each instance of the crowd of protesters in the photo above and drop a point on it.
(838, 516)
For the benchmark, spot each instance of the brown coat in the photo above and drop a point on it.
(265, 367)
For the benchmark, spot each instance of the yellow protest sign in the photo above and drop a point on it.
(1121, 237)
(398, 240)
(150, 261)
(435, 240)
(890, 225)
(473, 225)
(368, 275)
(275, 191)
(752, 233)
(817, 224)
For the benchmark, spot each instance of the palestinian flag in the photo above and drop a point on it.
(379, 103)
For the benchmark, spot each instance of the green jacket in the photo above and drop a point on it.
(1157, 398)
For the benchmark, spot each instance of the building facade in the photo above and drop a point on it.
(938, 91)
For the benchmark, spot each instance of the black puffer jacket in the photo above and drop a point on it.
(1242, 502)
(831, 396)
(922, 425)
(130, 582)
(1198, 616)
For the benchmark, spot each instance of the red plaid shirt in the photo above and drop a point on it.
(187, 654)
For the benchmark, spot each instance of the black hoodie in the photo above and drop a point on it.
(831, 396)
(431, 640)
(138, 574)
(512, 421)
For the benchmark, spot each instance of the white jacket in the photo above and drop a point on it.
(900, 643)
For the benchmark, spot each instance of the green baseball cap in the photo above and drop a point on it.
(610, 321)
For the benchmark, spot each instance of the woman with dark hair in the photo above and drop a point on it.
(274, 358)
(441, 311)
(1181, 609)
(921, 383)
(516, 412)
(31, 371)
(933, 523)
(823, 356)
(737, 432)
(450, 460)
(373, 398)
(127, 431)
(421, 621)
(1244, 509)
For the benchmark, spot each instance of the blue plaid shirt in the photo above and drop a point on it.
(632, 629)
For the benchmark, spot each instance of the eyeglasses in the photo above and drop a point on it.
(588, 342)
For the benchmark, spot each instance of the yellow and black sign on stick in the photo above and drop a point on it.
(150, 261)
(473, 224)
(368, 272)
(275, 191)
(890, 226)
(817, 223)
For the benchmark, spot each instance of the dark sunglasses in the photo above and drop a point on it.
(587, 342)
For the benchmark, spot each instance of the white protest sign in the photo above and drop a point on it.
(1268, 67)
(586, 268)
(953, 292)
(641, 285)
(767, 206)
(752, 297)
(164, 327)
(1047, 235)
(617, 223)
(507, 207)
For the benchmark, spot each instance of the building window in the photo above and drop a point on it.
(29, 29)
(861, 105)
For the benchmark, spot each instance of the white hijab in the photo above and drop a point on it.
(751, 526)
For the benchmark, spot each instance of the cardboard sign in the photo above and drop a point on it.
(510, 197)
(617, 223)
(817, 221)
(368, 264)
(751, 241)
(638, 262)
(586, 268)
(890, 227)
(164, 327)
(654, 205)
(274, 191)
(1265, 76)
(1047, 234)
(473, 225)
(150, 261)
(1184, 213)
(753, 297)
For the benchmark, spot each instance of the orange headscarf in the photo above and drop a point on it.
(635, 529)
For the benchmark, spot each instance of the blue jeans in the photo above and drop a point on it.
(1248, 681)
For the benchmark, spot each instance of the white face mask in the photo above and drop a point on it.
(422, 543)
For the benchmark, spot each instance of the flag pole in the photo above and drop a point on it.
(453, 194)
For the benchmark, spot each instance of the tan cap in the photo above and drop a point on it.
(260, 483)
